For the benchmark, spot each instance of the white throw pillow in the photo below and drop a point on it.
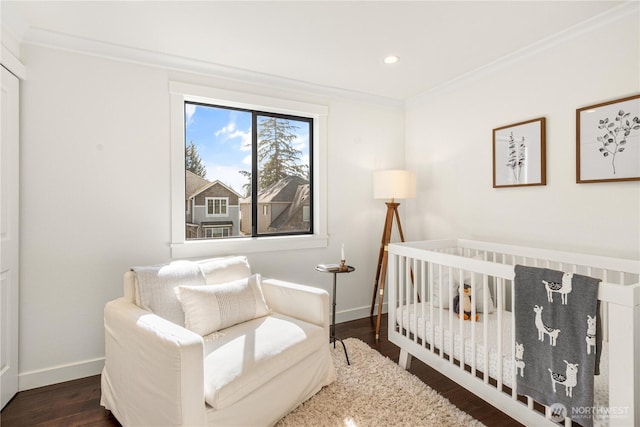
(442, 281)
(210, 308)
(224, 270)
(155, 287)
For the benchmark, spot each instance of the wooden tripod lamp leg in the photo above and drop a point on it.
(381, 300)
(399, 224)
(381, 272)
(377, 280)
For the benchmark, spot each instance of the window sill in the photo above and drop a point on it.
(206, 248)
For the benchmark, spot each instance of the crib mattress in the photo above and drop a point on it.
(417, 319)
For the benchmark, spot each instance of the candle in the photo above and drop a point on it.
(342, 253)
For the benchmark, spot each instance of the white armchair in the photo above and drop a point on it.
(160, 373)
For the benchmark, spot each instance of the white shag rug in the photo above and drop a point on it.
(375, 391)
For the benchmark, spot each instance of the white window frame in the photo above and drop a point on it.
(182, 248)
(222, 231)
(214, 199)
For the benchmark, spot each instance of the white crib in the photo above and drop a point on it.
(422, 276)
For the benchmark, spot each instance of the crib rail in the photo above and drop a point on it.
(424, 275)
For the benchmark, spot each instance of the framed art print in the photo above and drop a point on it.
(519, 154)
(608, 141)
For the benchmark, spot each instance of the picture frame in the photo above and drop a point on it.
(608, 141)
(519, 154)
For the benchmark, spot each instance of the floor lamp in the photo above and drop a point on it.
(389, 184)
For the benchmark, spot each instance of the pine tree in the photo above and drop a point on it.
(246, 187)
(193, 162)
(276, 155)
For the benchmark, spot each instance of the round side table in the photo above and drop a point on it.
(328, 268)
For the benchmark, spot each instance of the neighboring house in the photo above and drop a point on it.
(212, 208)
(284, 206)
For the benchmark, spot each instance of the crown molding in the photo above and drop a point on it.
(60, 41)
(628, 8)
(9, 61)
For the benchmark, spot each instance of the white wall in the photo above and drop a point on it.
(449, 143)
(95, 198)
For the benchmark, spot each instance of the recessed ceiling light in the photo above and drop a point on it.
(391, 59)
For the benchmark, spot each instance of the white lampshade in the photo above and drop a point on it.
(394, 184)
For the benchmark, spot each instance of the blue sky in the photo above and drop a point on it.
(223, 139)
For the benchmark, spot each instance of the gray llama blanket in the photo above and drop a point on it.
(557, 340)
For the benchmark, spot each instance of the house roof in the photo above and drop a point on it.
(282, 191)
(195, 184)
(300, 199)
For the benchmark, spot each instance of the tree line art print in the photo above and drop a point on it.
(608, 141)
(519, 154)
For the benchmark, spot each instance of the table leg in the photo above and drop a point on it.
(333, 322)
(343, 346)
(333, 318)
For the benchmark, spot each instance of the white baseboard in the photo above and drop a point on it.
(87, 368)
(357, 313)
(59, 374)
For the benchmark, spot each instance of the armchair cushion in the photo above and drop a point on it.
(210, 308)
(254, 352)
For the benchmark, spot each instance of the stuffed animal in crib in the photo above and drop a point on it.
(463, 309)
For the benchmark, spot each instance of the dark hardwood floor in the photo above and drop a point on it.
(77, 403)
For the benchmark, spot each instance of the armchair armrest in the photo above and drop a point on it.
(302, 302)
(154, 371)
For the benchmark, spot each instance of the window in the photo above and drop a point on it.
(216, 206)
(258, 156)
(216, 232)
(265, 153)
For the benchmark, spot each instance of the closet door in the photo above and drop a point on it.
(9, 222)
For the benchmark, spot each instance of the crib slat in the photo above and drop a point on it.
(499, 298)
(474, 341)
(440, 318)
(485, 305)
(408, 291)
(460, 323)
(426, 297)
(431, 304)
(514, 372)
(451, 332)
(411, 296)
(431, 326)
(402, 284)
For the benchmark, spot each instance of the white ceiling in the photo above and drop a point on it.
(335, 44)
